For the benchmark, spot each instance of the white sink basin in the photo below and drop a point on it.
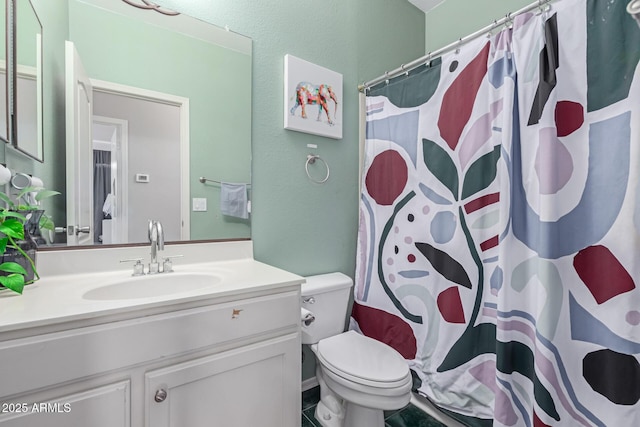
(154, 285)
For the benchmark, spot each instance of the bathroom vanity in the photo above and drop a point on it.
(99, 348)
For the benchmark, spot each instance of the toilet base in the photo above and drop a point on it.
(360, 416)
(355, 416)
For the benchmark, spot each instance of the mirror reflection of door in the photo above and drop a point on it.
(150, 187)
(78, 117)
(123, 161)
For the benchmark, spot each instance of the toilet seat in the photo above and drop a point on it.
(363, 360)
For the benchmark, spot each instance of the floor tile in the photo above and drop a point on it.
(310, 397)
(306, 422)
(310, 414)
(412, 417)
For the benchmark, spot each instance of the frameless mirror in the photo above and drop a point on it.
(170, 103)
(28, 81)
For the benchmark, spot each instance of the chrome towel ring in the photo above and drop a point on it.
(311, 159)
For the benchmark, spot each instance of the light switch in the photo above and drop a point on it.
(199, 204)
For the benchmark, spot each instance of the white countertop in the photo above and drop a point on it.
(58, 296)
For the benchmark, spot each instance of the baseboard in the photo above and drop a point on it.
(309, 383)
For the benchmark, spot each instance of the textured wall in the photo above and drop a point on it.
(454, 19)
(298, 225)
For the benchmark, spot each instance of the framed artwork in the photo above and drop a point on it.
(312, 98)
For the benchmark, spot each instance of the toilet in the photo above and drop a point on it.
(359, 377)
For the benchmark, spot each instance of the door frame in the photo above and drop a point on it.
(183, 104)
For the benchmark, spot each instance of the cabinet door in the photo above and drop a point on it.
(107, 406)
(258, 384)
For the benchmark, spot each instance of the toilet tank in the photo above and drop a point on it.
(326, 296)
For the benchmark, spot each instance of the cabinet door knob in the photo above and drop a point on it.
(160, 396)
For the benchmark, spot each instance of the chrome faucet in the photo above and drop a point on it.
(156, 237)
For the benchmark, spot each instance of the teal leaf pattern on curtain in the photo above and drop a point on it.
(481, 173)
(448, 267)
(441, 166)
(484, 206)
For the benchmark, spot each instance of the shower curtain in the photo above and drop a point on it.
(500, 221)
(101, 188)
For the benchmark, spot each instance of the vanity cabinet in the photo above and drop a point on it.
(227, 361)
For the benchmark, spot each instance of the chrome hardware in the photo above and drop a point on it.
(138, 267)
(308, 300)
(167, 264)
(160, 396)
(156, 237)
(85, 230)
(308, 319)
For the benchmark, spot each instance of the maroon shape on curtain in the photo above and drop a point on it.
(603, 274)
(450, 305)
(537, 422)
(387, 328)
(386, 177)
(459, 98)
(569, 117)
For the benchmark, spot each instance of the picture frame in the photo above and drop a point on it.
(312, 98)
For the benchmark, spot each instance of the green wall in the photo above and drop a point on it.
(454, 19)
(298, 225)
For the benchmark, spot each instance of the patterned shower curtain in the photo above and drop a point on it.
(499, 232)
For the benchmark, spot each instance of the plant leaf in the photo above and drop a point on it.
(45, 194)
(12, 228)
(3, 244)
(440, 164)
(46, 223)
(7, 200)
(12, 214)
(13, 267)
(15, 282)
(28, 190)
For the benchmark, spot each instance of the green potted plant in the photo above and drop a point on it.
(17, 246)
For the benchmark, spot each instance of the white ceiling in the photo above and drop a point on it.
(426, 5)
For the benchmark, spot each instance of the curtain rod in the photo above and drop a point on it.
(404, 68)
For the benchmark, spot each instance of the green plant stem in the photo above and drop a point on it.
(33, 266)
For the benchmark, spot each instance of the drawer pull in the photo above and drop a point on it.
(160, 396)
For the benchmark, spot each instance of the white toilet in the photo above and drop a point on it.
(359, 377)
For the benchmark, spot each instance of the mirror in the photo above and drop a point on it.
(4, 117)
(201, 71)
(28, 81)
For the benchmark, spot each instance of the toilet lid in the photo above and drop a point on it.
(362, 357)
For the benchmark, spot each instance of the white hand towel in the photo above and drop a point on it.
(233, 200)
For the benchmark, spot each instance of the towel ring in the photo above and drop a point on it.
(311, 159)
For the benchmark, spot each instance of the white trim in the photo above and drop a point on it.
(183, 104)
(309, 383)
(120, 151)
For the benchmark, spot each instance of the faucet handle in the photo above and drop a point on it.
(138, 267)
(167, 264)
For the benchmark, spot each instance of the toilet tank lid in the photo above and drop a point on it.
(325, 282)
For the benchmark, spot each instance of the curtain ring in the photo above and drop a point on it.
(311, 159)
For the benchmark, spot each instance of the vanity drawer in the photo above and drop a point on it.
(81, 352)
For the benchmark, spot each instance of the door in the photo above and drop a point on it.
(258, 384)
(78, 115)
